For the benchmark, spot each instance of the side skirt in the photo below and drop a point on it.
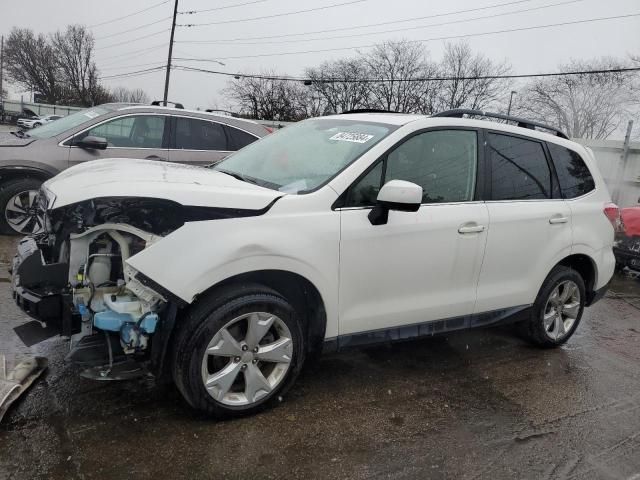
(428, 329)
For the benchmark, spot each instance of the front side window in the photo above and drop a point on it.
(136, 131)
(573, 175)
(305, 155)
(519, 169)
(442, 162)
(194, 134)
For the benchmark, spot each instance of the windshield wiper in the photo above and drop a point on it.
(237, 176)
(19, 134)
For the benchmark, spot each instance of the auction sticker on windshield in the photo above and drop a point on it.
(91, 114)
(352, 137)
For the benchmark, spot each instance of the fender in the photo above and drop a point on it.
(202, 254)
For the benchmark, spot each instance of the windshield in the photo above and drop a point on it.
(304, 156)
(65, 123)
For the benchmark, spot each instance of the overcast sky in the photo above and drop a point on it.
(528, 51)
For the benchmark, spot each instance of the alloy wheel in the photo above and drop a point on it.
(247, 359)
(561, 310)
(22, 212)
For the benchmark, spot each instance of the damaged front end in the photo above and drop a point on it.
(74, 280)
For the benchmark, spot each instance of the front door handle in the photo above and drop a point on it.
(471, 229)
(155, 157)
(558, 219)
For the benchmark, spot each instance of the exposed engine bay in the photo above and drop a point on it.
(73, 277)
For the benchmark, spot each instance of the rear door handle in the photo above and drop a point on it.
(155, 157)
(558, 219)
(471, 229)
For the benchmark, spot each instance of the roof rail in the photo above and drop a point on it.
(521, 122)
(160, 103)
(367, 110)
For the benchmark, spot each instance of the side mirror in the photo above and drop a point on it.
(93, 143)
(395, 195)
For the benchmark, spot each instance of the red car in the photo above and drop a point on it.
(627, 245)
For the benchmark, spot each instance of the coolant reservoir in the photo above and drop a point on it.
(122, 304)
(100, 270)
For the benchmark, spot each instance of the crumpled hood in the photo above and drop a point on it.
(187, 185)
(10, 140)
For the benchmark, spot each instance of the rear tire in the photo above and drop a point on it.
(558, 308)
(219, 366)
(18, 206)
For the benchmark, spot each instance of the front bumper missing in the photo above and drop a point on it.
(41, 290)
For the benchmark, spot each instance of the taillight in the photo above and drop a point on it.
(612, 211)
(269, 129)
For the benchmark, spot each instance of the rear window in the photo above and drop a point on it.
(573, 175)
(519, 169)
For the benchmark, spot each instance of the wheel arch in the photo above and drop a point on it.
(586, 268)
(13, 172)
(297, 289)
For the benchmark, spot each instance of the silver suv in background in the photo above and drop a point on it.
(111, 130)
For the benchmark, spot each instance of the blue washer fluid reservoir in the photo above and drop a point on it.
(111, 321)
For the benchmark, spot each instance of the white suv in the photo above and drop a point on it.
(334, 232)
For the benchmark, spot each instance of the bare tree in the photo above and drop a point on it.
(585, 105)
(74, 54)
(265, 97)
(126, 95)
(466, 88)
(340, 84)
(399, 69)
(31, 63)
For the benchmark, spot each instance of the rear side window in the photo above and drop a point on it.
(239, 139)
(194, 134)
(519, 169)
(573, 175)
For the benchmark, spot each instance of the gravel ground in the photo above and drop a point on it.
(478, 404)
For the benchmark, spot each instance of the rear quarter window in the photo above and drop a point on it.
(239, 139)
(573, 174)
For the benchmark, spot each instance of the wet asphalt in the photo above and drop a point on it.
(473, 405)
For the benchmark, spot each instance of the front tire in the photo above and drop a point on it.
(558, 308)
(19, 208)
(238, 351)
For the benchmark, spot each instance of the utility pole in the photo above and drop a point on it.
(173, 29)
(513, 92)
(1, 66)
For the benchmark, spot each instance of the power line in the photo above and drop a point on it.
(134, 73)
(411, 19)
(134, 66)
(413, 79)
(137, 53)
(450, 37)
(239, 20)
(129, 15)
(419, 27)
(131, 40)
(134, 29)
(191, 12)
